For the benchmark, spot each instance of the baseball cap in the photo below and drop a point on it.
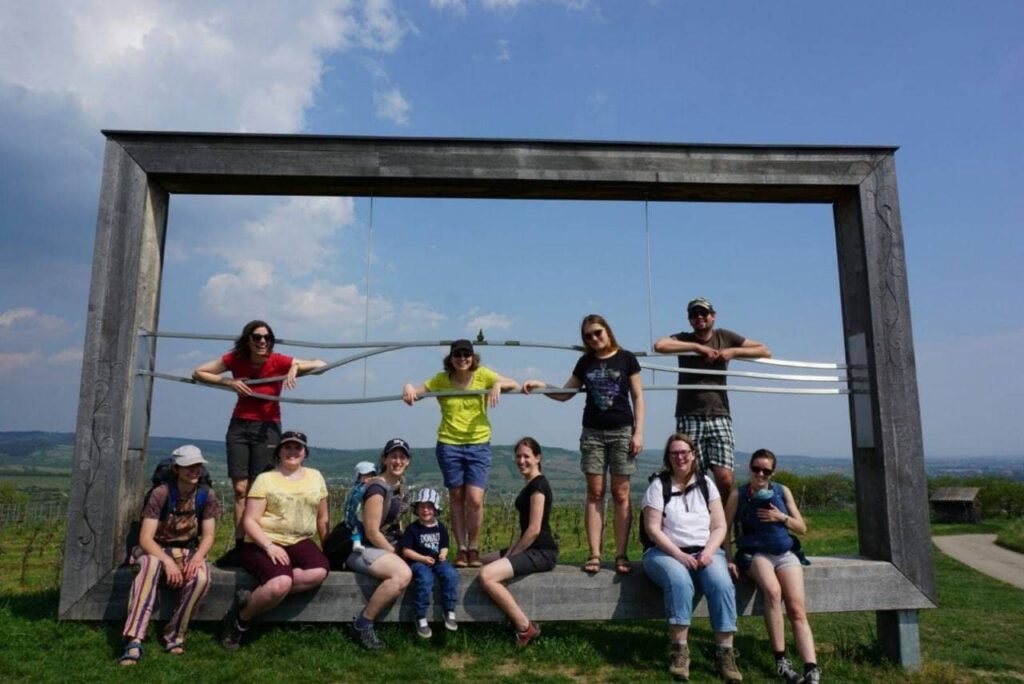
(292, 436)
(461, 345)
(365, 468)
(396, 443)
(187, 455)
(700, 303)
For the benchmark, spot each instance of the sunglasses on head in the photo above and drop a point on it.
(291, 434)
(257, 337)
(594, 334)
(761, 471)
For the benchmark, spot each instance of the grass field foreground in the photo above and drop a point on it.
(974, 636)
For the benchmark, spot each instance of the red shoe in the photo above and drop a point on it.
(473, 558)
(461, 558)
(523, 639)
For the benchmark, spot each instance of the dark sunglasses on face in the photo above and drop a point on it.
(256, 337)
(462, 355)
(699, 313)
(594, 334)
(761, 471)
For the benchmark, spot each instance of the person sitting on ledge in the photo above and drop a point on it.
(175, 537)
(534, 551)
(285, 508)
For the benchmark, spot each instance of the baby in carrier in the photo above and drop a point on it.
(365, 471)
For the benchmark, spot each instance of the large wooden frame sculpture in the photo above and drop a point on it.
(142, 170)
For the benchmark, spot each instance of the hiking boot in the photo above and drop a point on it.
(461, 558)
(784, 669)
(473, 558)
(679, 662)
(234, 627)
(450, 623)
(423, 629)
(725, 665)
(812, 676)
(367, 638)
(524, 638)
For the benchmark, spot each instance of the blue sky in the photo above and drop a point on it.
(942, 80)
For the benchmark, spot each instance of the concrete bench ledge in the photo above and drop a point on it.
(834, 584)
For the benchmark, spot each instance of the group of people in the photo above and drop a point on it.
(280, 504)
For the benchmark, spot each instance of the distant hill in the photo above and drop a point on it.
(52, 453)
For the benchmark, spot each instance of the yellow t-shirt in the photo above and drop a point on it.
(290, 515)
(464, 419)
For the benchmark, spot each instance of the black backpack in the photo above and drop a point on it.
(667, 493)
(164, 474)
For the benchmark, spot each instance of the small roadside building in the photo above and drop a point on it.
(956, 505)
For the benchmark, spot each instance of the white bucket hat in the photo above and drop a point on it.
(427, 495)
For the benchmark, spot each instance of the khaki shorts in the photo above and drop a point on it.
(607, 451)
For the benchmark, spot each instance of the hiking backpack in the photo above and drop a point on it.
(667, 494)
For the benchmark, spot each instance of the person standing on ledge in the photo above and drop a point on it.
(704, 414)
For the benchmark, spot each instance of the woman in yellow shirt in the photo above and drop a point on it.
(464, 440)
(284, 509)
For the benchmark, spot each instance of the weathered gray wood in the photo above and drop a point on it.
(899, 638)
(429, 167)
(860, 182)
(834, 584)
(106, 483)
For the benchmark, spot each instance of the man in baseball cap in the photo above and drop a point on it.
(704, 414)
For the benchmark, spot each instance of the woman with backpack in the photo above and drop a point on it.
(612, 436)
(178, 528)
(383, 507)
(285, 508)
(255, 426)
(765, 515)
(684, 524)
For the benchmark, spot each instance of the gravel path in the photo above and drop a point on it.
(981, 553)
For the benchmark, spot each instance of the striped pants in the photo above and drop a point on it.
(145, 590)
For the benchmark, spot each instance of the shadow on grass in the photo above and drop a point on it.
(40, 605)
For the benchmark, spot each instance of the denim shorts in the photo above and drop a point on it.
(779, 560)
(464, 464)
(607, 451)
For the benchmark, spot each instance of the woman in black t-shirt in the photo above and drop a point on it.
(535, 549)
(613, 432)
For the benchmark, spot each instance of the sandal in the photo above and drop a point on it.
(175, 648)
(127, 658)
(592, 566)
(622, 565)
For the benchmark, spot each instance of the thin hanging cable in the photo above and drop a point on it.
(650, 286)
(366, 313)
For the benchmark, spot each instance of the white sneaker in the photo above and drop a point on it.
(450, 623)
(423, 629)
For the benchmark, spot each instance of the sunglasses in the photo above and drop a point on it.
(291, 434)
(761, 471)
(462, 355)
(256, 337)
(594, 334)
(699, 313)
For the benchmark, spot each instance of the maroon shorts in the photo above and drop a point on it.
(304, 555)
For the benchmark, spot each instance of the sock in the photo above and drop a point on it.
(363, 622)
(723, 647)
(779, 655)
(809, 666)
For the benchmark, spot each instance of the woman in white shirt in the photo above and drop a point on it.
(685, 524)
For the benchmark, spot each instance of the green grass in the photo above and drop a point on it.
(1012, 536)
(974, 636)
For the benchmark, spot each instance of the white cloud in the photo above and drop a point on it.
(71, 355)
(28, 319)
(488, 322)
(12, 361)
(504, 51)
(229, 65)
(417, 317)
(392, 106)
(457, 7)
